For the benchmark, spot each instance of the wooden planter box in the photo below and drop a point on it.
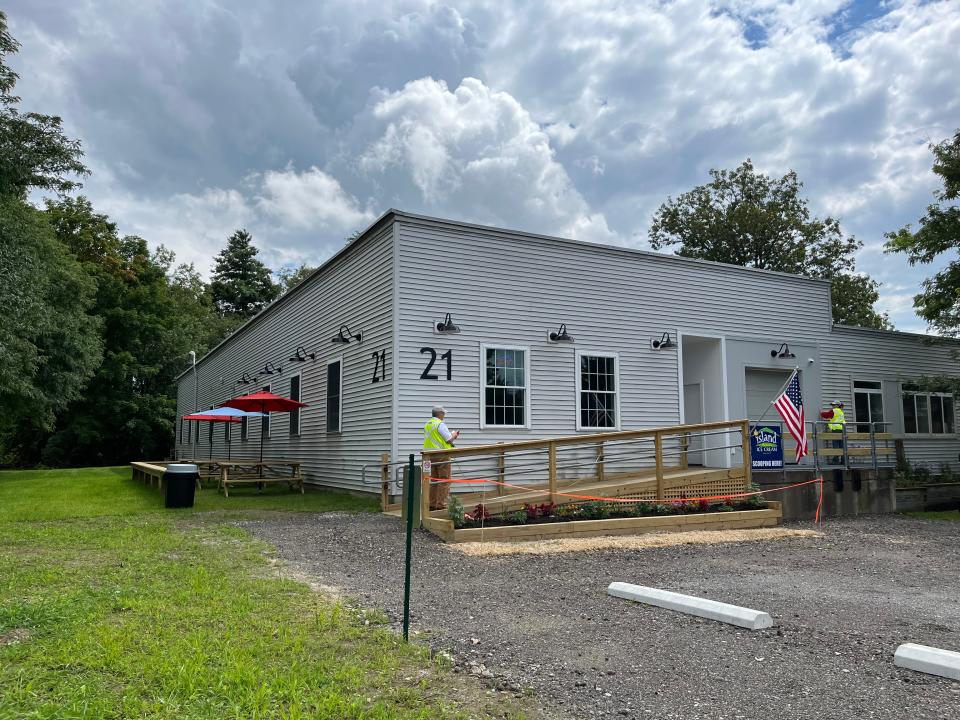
(770, 516)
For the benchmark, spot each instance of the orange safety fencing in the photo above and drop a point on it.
(483, 481)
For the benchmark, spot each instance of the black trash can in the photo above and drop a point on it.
(180, 479)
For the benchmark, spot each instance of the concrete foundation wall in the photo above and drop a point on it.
(861, 492)
(944, 496)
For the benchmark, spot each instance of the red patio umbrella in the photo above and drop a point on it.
(203, 417)
(264, 402)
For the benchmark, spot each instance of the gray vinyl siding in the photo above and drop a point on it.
(512, 289)
(892, 358)
(356, 289)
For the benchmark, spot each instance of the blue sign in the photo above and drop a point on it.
(766, 447)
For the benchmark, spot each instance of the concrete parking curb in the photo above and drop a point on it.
(930, 660)
(710, 609)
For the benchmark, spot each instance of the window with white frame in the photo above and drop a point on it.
(294, 415)
(334, 396)
(505, 387)
(868, 404)
(597, 391)
(926, 413)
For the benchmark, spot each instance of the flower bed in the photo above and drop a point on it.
(678, 517)
(478, 516)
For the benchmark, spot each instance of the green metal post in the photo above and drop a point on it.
(408, 489)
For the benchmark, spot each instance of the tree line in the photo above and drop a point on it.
(95, 326)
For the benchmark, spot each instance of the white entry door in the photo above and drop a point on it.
(692, 415)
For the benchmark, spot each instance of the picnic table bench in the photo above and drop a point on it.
(149, 471)
(247, 472)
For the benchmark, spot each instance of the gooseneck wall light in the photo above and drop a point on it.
(560, 335)
(245, 379)
(447, 326)
(271, 369)
(301, 355)
(345, 336)
(782, 352)
(663, 342)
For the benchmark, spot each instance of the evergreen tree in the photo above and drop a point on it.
(746, 218)
(241, 285)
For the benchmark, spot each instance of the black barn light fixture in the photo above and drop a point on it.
(448, 326)
(343, 339)
(271, 369)
(245, 379)
(561, 335)
(301, 355)
(782, 352)
(664, 342)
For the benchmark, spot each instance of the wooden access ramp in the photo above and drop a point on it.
(648, 465)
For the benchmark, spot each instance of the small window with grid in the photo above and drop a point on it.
(597, 397)
(505, 387)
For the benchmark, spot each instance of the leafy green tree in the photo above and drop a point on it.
(747, 218)
(241, 284)
(34, 150)
(49, 344)
(939, 233)
(291, 277)
(149, 323)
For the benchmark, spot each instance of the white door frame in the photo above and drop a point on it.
(723, 371)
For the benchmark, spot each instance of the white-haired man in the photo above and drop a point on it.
(437, 436)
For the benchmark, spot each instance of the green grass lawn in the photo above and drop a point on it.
(953, 515)
(112, 607)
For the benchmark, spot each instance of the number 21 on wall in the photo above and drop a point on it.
(379, 365)
(448, 356)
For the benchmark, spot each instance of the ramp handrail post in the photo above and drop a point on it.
(600, 461)
(384, 480)
(745, 444)
(424, 487)
(501, 470)
(552, 459)
(873, 446)
(684, 448)
(658, 449)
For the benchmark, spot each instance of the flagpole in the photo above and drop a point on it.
(796, 371)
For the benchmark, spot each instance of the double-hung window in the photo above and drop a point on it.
(294, 415)
(505, 387)
(210, 430)
(244, 427)
(926, 413)
(334, 396)
(868, 404)
(597, 407)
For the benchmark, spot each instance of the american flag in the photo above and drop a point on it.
(790, 407)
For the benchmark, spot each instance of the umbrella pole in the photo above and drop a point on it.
(263, 427)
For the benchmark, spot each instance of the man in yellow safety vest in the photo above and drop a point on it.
(835, 422)
(437, 436)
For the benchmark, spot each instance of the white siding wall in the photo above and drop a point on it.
(512, 289)
(355, 289)
(892, 358)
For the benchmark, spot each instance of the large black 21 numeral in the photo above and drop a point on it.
(448, 356)
(379, 366)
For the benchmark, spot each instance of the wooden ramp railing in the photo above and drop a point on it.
(650, 464)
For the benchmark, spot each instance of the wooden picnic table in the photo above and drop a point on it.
(246, 472)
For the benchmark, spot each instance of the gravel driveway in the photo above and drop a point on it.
(841, 605)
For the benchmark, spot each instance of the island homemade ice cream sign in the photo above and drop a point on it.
(766, 447)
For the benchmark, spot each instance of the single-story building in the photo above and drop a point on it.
(524, 336)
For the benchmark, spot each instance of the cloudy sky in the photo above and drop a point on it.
(303, 121)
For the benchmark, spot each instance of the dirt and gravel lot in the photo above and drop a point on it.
(841, 605)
